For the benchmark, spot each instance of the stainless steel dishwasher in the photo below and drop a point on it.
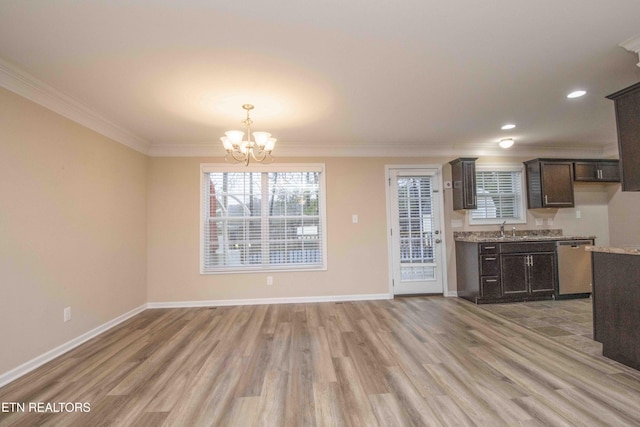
(574, 267)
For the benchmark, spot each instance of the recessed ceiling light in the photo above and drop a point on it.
(508, 126)
(577, 94)
(506, 142)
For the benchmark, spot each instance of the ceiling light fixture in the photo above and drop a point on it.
(239, 150)
(508, 126)
(577, 94)
(506, 143)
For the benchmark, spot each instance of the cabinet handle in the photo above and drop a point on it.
(545, 199)
(491, 280)
(489, 259)
(489, 247)
(599, 173)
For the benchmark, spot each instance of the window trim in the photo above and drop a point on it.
(514, 167)
(261, 168)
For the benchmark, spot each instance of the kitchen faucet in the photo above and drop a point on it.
(502, 229)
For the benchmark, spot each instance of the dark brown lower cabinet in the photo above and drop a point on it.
(509, 272)
(528, 274)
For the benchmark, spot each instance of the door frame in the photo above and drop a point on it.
(440, 199)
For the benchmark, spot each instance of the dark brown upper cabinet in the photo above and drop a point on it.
(627, 105)
(463, 175)
(596, 170)
(549, 183)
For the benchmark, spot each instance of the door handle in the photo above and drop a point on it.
(438, 240)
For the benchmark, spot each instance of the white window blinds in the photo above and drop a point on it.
(499, 196)
(263, 220)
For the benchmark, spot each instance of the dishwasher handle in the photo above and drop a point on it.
(575, 243)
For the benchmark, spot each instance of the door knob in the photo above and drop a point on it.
(438, 240)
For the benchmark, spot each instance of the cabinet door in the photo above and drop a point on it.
(463, 175)
(469, 184)
(542, 273)
(585, 171)
(513, 268)
(557, 184)
(609, 171)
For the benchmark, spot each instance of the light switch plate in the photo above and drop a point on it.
(354, 218)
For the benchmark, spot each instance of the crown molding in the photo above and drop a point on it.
(632, 45)
(27, 86)
(213, 149)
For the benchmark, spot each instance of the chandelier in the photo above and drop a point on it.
(239, 150)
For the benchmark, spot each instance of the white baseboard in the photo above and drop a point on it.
(29, 366)
(451, 294)
(259, 301)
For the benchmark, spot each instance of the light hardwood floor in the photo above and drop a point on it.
(409, 361)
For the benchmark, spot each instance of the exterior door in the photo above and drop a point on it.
(416, 231)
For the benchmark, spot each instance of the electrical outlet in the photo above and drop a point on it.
(67, 314)
(269, 280)
(354, 218)
(549, 221)
(578, 214)
(539, 221)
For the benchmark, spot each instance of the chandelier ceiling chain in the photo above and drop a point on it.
(238, 150)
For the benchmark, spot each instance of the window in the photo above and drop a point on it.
(262, 218)
(500, 195)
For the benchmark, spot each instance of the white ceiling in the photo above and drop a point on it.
(331, 77)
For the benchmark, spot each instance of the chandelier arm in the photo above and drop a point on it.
(258, 155)
(237, 156)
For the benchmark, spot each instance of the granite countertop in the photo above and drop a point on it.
(624, 250)
(521, 236)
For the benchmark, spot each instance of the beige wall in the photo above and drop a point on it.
(72, 229)
(624, 217)
(357, 253)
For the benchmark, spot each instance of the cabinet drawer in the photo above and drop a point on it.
(490, 287)
(489, 265)
(489, 248)
(528, 247)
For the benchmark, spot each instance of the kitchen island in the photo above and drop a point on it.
(616, 303)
